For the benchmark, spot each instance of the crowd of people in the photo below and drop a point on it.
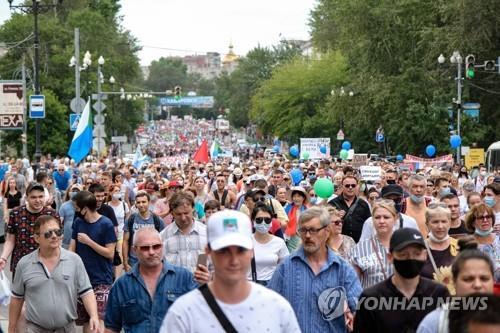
(241, 245)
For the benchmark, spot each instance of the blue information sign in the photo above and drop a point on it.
(73, 121)
(37, 106)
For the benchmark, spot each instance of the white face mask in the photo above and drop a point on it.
(117, 196)
(483, 173)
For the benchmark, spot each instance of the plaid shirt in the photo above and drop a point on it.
(183, 250)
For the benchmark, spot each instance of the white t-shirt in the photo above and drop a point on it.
(267, 257)
(120, 212)
(262, 311)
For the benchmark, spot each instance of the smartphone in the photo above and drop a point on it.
(202, 259)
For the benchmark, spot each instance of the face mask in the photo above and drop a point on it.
(483, 233)
(408, 268)
(436, 240)
(444, 191)
(313, 200)
(398, 205)
(72, 195)
(483, 173)
(116, 196)
(490, 201)
(416, 198)
(262, 228)
(391, 181)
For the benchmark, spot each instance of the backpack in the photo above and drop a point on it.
(131, 220)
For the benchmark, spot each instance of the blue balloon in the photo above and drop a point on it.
(399, 157)
(322, 149)
(294, 151)
(276, 149)
(455, 141)
(430, 150)
(346, 145)
(297, 176)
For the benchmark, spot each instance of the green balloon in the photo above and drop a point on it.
(305, 155)
(343, 154)
(323, 188)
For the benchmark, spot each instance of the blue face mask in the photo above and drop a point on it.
(444, 191)
(262, 228)
(490, 201)
(416, 198)
(483, 233)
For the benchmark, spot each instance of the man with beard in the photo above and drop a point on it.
(399, 303)
(321, 287)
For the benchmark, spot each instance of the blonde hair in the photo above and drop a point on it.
(436, 210)
(386, 204)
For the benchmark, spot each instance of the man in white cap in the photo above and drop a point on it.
(230, 302)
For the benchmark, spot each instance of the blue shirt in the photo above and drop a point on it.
(62, 181)
(318, 300)
(99, 268)
(130, 306)
(67, 212)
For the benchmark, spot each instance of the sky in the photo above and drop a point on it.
(183, 27)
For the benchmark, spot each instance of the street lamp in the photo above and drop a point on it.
(457, 59)
(35, 8)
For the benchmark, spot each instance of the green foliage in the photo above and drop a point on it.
(391, 51)
(101, 34)
(289, 103)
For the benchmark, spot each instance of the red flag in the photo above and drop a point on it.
(201, 154)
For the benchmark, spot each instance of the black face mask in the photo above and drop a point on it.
(409, 268)
(391, 181)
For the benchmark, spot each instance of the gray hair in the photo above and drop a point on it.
(144, 230)
(437, 210)
(315, 212)
(416, 177)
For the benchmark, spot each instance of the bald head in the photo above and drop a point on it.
(146, 233)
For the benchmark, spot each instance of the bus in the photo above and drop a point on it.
(493, 157)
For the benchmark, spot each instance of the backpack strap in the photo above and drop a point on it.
(217, 311)
(224, 197)
(216, 195)
(130, 222)
(156, 221)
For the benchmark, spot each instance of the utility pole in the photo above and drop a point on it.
(78, 107)
(25, 122)
(459, 103)
(36, 79)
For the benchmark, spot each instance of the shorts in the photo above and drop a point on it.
(101, 292)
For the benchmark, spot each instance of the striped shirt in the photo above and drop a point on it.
(363, 256)
(183, 250)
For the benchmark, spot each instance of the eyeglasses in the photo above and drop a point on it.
(338, 222)
(257, 199)
(312, 231)
(373, 198)
(146, 248)
(312, 195)
(350, 185)
(47, 234)
(266, 220)
(484, 217)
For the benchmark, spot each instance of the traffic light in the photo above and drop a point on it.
(469, 66)
(177, 92)
(489, 65)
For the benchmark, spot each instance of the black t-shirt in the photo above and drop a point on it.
(442, 258)
(353, 222)
(459, 230)
(13, 201)
(108, 211)
(383, 308)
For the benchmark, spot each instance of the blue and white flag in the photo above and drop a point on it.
(81, 145)
(139, 158)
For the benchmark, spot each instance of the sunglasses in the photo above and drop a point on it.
(47, 234)
(260, 220)
(339, 222)
(147, 248)
(484, 217)
(263, 199)
(350, 185)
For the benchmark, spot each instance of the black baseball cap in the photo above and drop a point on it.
(34, 186)
(403, 237)
(391, 189)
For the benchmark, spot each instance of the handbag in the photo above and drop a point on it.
(221, 317)
(117, 260)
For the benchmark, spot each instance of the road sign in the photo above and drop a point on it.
(99, 119)
(75, 107)
(379, 137)
(119, 139)
(73, 121)
(98, 144)
(96, 96)
(340, 135)
(99, 106)
(37, 106)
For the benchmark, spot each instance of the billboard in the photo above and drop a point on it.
(11, 105)
(313, 147)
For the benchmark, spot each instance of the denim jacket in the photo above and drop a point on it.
(130, 306)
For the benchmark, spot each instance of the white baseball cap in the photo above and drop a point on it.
(229, 228)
